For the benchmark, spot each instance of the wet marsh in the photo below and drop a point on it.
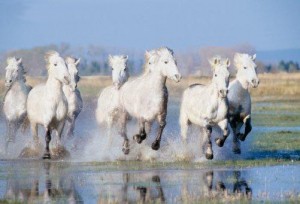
(267, 169)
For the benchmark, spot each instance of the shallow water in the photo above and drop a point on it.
(91, 142)
(38, 181)
(74, 181)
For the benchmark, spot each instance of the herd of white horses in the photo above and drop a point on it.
(145, 98)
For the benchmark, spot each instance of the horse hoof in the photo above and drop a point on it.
(156, 145)
(137, 138)
(236, 151)
(219, 142)
(125, 151)
(241, 137)
(143, 136)
(209, 156)
(47, 156)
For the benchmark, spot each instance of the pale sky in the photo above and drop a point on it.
(144, 24)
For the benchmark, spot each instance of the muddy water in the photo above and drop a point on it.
(37, 181)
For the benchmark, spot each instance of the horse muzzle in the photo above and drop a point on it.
(117, 85)
(8, 83)
(255, 83)
(66, 80)
(176, 78)
(223, 93)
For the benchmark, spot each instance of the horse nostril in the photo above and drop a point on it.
(227, 91)
(258, 82)
(10, 81)
(253, 81)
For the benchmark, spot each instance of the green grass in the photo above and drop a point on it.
(274, 141)
(274, 114)
(275, 120)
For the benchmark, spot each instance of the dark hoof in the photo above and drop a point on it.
(47, 156)
(137, 138)
(241, 137)
(220, 186)
(209, 156)
(156, 179)
(156, 145)
(219, 142)
(236, 151)
(125, 150)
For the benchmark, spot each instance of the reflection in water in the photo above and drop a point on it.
(52, 182)
(46, 186)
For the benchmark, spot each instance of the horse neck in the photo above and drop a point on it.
(240, 89)
(54, 87)
(213, 95)
(244, 84)
(20, 82)
(157, 78)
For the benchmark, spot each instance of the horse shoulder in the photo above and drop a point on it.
(239, 99)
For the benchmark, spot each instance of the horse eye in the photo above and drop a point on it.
(245, 67)
(55, 64)
(149, 62)
(216, 75)
(166, 62)
(125, 69)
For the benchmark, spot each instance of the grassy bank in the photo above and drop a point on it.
(273, 87)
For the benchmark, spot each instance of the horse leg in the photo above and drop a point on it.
(8, 134)
(248, 128)
(34, 130)
(70, 132)
(123, 130)
(109, 131)
(224, 126)
(48, 139)
(236, 126)
(59, 131)
(142, 132)
(209, 152)
(148, 127)
(161, 119)
(184, 125)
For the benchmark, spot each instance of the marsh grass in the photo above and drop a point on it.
(277, 141)
(273, 87)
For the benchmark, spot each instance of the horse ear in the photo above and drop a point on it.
(147, 54)
(125, 57)
(110, 58)
(254, 57)
(236, 59)
(77, 61)
(227, 62)
(214, 61)
(19, 60)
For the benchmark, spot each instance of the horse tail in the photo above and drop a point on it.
(25, 124)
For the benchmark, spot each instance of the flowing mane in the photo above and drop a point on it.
(48, 55)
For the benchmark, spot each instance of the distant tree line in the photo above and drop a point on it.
(94, 59)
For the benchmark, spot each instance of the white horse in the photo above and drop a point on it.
(14, 104)
(73, 95)
(47, 104)
(108, 106)
(239, 97)
(146, 97)
(206, 105)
